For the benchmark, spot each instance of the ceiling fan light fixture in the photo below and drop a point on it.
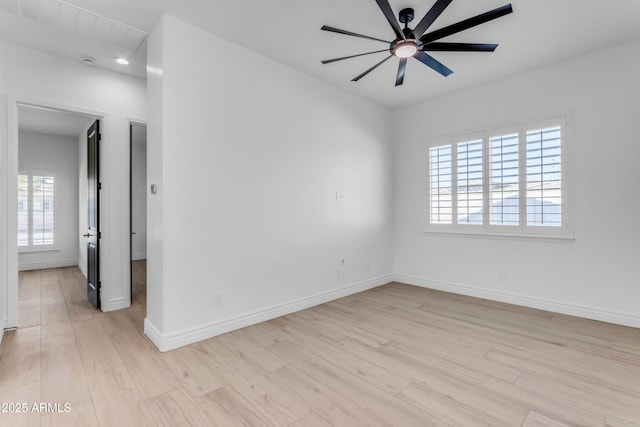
(405, 48)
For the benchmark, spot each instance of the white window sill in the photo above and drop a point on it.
(37, 249)
(558, 238)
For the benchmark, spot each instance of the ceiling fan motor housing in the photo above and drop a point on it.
(406, 15)
(403, 48)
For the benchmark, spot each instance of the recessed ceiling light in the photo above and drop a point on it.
(121, 61)
(88, 60)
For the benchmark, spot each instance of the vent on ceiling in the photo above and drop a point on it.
(75, 19)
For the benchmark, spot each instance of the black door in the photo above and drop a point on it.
(93, 214)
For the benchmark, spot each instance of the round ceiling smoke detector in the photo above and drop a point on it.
(88, 60)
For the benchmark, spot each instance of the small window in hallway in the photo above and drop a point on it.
(36, 210)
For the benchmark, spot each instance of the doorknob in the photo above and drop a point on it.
(87, 235)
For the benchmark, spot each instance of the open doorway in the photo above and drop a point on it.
(49, 214)
(138, 217)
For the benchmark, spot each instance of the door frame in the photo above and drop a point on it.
(94, 187)
(12, 192)
(130, 123)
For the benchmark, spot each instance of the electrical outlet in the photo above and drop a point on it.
(501, 276)
(368, 267)
(219, 300)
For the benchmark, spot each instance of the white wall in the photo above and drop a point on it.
(594, 276)
(42, 78)
(156, 298)
(139, 194)
(40, 153)
(248, 160)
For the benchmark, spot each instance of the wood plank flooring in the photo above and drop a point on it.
(396, 355)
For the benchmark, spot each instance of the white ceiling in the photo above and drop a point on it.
(538, 33)
(52, 122)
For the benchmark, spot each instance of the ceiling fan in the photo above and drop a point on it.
(416, 43)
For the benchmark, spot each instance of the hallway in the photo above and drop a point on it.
(62, 341)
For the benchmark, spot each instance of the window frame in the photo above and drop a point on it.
(522, 230)
(31, 247)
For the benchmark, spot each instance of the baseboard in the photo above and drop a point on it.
(593, 313)
(173, 340)
(138, 257)
(115, 304)
(154, 335)
(47, 264)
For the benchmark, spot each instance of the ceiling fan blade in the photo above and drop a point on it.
(430, 61)
(328, 61)
(349, 33)
(391, 17)
(459, 47)
(431, 16)
(466, 24)
(402, 68)
(355, 79)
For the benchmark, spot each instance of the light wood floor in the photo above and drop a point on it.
(396, 355)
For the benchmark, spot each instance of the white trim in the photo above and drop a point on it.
(173, 340)
(37, 249)
(12, 214)
(508, 236)
(127, 256)
(587, 312)
(154, 335)
(115, 304)
(41, 265)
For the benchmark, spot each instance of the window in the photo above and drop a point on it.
(36, 207)
(544, 179)
(506, 181)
